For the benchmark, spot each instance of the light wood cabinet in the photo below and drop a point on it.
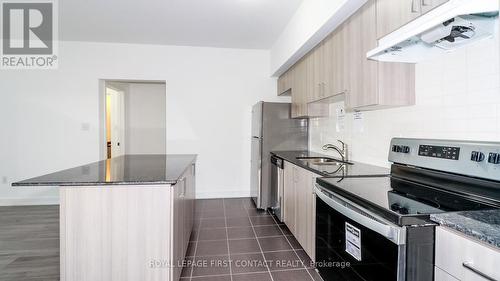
(301, 82)
(463, 258)
(392, 14)
(428, 5)
(285, 83)
(300, 206)
(182, 200)
(372, 84)
(360, 36)
(339, 64)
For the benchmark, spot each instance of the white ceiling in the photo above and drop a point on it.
(253, 24)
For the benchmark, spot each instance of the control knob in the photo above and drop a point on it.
(477, 156)
(494, 158)
(397, 208)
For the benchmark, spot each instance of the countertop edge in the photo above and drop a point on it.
(284, 156)
(470, 227)
(169, 182)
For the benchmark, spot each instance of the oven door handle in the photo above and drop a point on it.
(394, 233)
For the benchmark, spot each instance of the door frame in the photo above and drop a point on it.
(102, 108)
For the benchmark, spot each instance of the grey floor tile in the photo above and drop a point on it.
(213, 223)
(212, 234)
(252, 277)
(208, 266)
(246, 263)
(262, 220)
(212, 278)
(244, 246)
(211, 248)
(268, 230)
(295, 244)
(285, 260)
(291, 275)
(274, 244)
(238, 222)
(304, 257)
(240, 232)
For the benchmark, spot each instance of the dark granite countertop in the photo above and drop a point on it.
(123, 170)
(356, 170)
(482, 225)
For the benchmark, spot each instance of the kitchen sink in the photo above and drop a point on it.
(323, 161)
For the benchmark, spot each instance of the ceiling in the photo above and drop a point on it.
(252, 24)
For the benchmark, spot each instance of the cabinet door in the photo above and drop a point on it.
(289, 197)
(284, 83)
(392, 14)
(428, 5)
(300, 85)
(360, 37)
(318, 73)
(334, 76)
(305, 210)
(178, 234)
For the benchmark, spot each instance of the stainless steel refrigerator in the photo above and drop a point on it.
(273, 129)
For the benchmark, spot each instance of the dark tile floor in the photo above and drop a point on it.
(234, 241)
(226, 230)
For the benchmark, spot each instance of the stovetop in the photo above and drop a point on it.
(406, 202)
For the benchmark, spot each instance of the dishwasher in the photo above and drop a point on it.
(277, 183)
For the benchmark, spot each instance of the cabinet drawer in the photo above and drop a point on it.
(441, 275)
(461, 256)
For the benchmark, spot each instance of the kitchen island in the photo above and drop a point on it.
(125, 218)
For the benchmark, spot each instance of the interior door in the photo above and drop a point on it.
(115, 107)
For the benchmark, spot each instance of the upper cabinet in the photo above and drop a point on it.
(284, 83)
(338, 65)
(392, 14)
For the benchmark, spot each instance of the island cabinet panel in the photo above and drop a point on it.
(126, 232)
(115, 233)
(182, 218)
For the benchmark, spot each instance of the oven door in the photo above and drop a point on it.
(352, 245)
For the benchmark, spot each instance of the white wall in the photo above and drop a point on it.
(458, 97)
(49, 119)
(313, 21)
(145, 119)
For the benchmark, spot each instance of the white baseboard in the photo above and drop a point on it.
(29, 201)
(55, 200)
(223, 194)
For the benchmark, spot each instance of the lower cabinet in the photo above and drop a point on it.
(461, 258)
(182, 200)
(300, 206)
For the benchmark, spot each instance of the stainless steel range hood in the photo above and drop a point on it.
(447, 27)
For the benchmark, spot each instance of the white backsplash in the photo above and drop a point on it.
(457, 97)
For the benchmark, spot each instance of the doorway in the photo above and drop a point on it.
(133, 118)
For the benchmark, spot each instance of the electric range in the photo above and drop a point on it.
(381, 225)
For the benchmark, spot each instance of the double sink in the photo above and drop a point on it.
(323, 161)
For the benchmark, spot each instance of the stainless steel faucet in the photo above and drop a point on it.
(342, 151)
